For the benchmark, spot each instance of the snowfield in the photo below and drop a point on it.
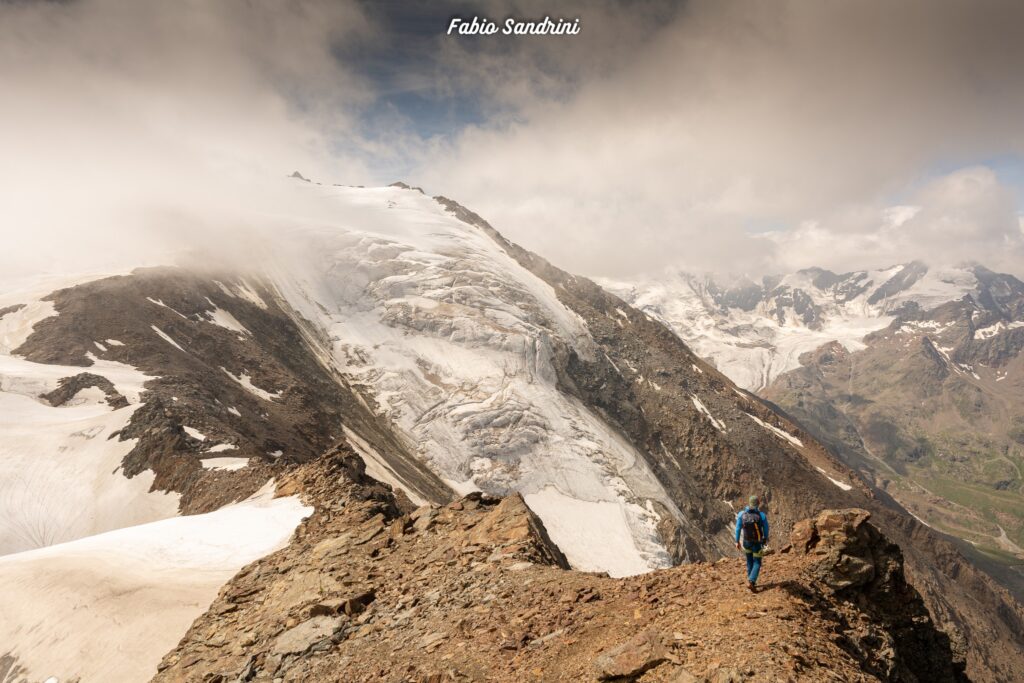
(597, 536)
(456, 341)
(100, 577)
(108, 607)
(59, 473)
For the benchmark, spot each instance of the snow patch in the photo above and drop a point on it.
(163, 335)
(224, 288)
(220, 317)
(841, 484)
(221, 447)
(775, 430)
(234, 411)
(194, 433)
(16, 327)
(597, 535)
(229, 464)
(139, 587)
(246, 381)
(246, 291)
(113, 342)
(993, 330)
(718, 424)
(160, 303)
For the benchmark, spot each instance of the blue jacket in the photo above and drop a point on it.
(764, 523)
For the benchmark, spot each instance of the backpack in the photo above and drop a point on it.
(750, 523)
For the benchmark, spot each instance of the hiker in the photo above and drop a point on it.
(751, 538)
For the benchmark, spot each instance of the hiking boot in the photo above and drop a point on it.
(752, 586)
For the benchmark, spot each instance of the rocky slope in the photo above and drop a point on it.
(371, 590)
(451, 360)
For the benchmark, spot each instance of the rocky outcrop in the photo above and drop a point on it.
(68, 388)
(863, 570)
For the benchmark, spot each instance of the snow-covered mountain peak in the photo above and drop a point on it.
(457, 341)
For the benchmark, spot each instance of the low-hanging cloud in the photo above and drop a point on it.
(135, 130)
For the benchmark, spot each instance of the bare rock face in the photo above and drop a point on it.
(70, 386)
(301, 638)
(848, 547)
(854, 562)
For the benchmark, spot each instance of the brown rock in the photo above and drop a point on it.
(302, 637)
(804, 535)
(637, 655)
(684, 676)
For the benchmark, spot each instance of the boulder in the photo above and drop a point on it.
(513, 523)
(632, 658)
(307, 634)
(804, 535)
(848, 546)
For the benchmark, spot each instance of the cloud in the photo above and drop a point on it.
(725, 136)
(134, 129)
(729, 116)
(953, 219)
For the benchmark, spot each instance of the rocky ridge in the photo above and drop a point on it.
(373, 589)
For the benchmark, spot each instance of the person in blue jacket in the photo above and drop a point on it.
(751, 538)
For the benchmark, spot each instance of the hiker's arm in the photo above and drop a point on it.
(764, 518)
(736, 533)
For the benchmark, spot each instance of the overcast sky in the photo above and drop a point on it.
(741, 137)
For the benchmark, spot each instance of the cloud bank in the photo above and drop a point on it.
(757, 137)
(134, 130)
(715, 136)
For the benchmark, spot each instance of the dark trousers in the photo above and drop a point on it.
(754, 552)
